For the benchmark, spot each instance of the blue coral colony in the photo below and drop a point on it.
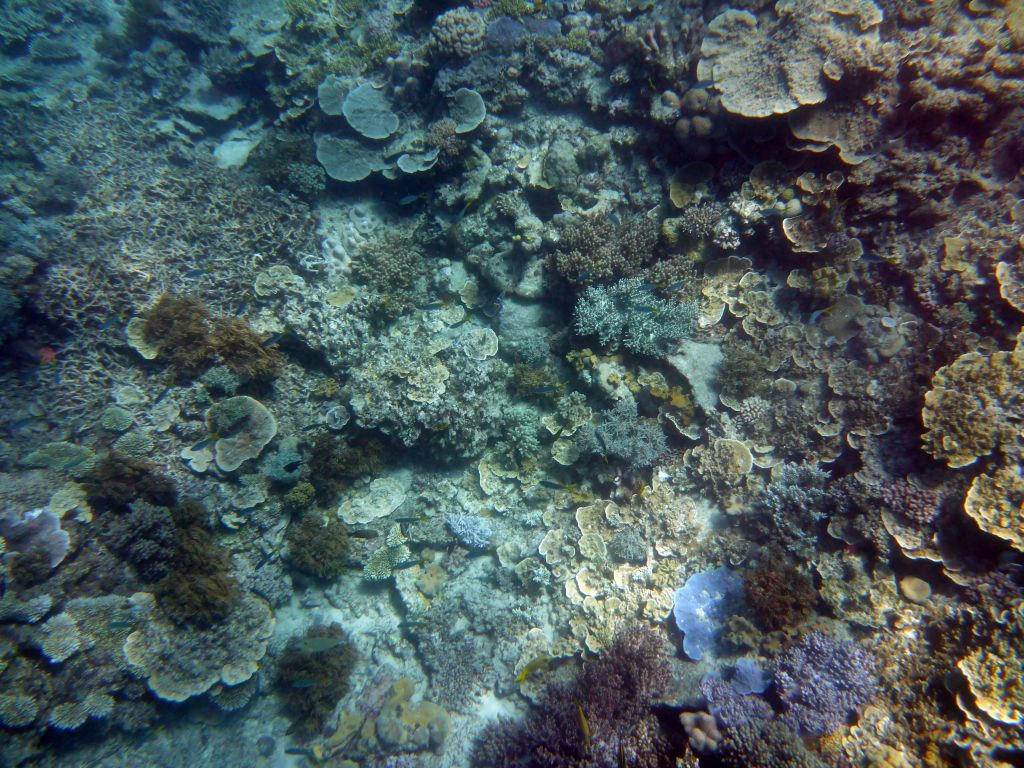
(511, 383)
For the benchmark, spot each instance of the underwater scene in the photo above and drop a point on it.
(512, 383)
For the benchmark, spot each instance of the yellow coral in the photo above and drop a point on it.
(996, 503)
(995, 672)
(971, 408)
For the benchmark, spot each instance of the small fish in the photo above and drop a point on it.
(162, 395)
(547, 389)
(291, 466)
(410, 199)
(555, 486)
(75, 462)
(586, 275)
(614, 219)
(116, 624)
(533, 666)
(272, 340)
(204, 443)
(584, 726)
(241, 308)
(304, 751)
(194, 273)
(600, 440)
(110, 323)
(20, 424)
(364, 533)
(649, 287)
(815, 316)
(678, 285)
(647, 310)
(319, 644)
(304, 682)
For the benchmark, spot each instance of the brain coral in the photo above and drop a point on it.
(972, 407)
(458, 33)
(775, 66)
(179, 663)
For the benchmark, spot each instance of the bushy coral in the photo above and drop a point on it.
(472, 531)
(337, 461)
(779, 595)
(184, 333)
(821, 681)
(620, 434)
(629, 313)
(601, 719)
(796, 501)
(596, 250)
(313, 674)
(765, 744)
(317, 545)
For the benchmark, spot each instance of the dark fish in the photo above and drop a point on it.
(552, 485)
(304, 683)
(291, 466)
(110, 323)
(304, 751)
(319, 644)
(649, 287)
(194, 273)
(203, 443)
(242, 307)
(272, 340)
(20, 424)
(600, 440)
(364, 533)
(410, 199)
(75, 462)
(404, 566)
(614, 219)
(586, 274)
(547, 389)
(162, 395)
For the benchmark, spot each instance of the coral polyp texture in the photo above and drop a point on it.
(597, 383)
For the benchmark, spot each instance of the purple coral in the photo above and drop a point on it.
(731, 708)
(35, 531)
(820, 680)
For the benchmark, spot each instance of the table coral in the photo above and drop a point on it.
(180, 662)
(970, 410)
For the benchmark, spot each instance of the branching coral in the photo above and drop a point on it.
(595, 250)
